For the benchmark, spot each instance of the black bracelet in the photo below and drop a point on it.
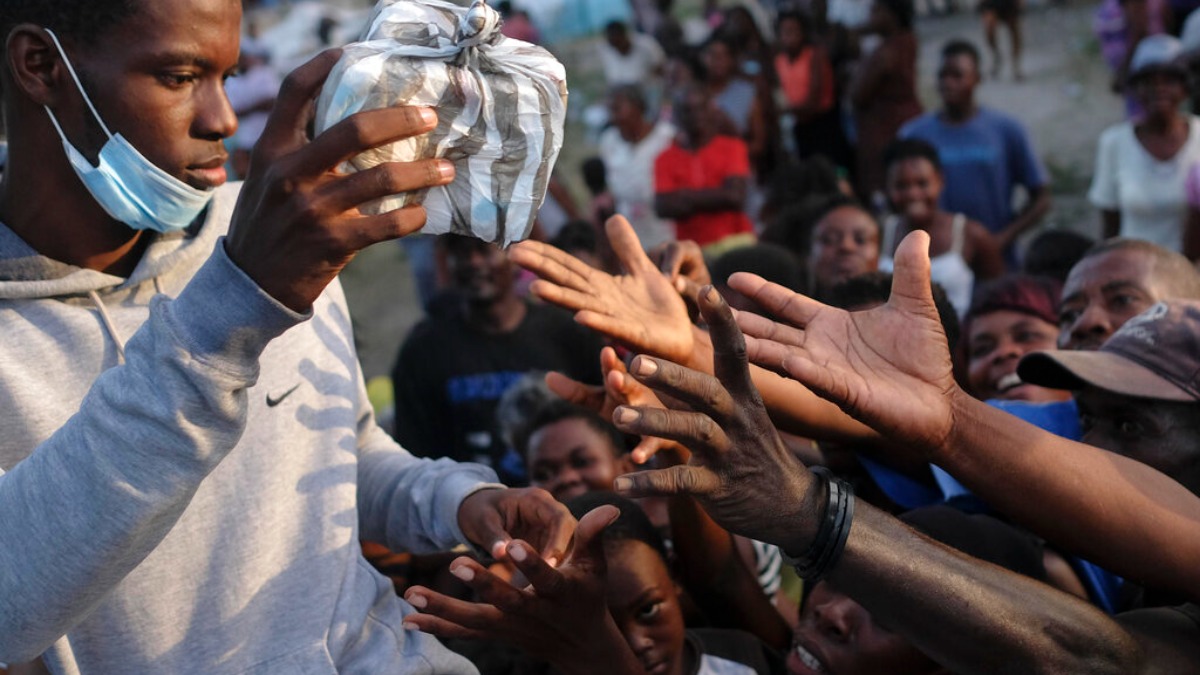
(827, 547)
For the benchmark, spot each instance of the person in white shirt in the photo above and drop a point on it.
(1142, 165)
(630, 58)
(628, 149)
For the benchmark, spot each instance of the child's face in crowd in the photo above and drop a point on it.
(996, 343)
(845, 244)
(836, 635)
(914, 186)
(568, 458)
(1161, 434)
(644, 603)
(1102, 293)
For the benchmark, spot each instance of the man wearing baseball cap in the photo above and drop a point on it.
(1139, 395)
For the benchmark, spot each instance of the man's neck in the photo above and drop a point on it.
(959, 114)
(500, 316)
(46, 205)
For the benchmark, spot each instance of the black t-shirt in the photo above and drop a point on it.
(448, 379)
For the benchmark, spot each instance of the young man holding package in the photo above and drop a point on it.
(187, 457)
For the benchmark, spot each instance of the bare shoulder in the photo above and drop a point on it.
(1169, 638)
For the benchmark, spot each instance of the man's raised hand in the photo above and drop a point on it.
(640, 308)
(297, 222)
(888, 367)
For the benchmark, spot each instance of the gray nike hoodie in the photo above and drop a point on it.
(186, 468)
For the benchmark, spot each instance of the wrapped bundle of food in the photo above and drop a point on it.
(500, 102)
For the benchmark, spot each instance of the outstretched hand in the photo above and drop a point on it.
(619, 388)
(641, 308)
(739, 471)
(297, 223)
(888, 367)
(561, 617)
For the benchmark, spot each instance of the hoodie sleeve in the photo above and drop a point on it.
(408, 503)
(117, 476)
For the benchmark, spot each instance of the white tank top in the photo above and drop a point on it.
(949, 269)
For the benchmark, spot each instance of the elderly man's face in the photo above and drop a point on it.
(158, 79)
(1102, 293)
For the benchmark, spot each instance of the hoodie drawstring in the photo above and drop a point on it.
(108, 324)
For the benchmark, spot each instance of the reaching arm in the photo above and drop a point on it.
(959, 611)
(890, 368)
(731, 195)
(643, 309)
(1036, 209)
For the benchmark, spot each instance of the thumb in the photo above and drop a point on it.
(694, 481)
(589, 540)
(574, 391)
(911, 286)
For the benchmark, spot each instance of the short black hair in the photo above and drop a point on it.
(769, 261)
(78, 20)
(631, 525)
(874, 288)
(960, 47)
(557, 411)
(632, 93)
(576, 235)
(1054, 252)
(911, 148)
(1181, 276)
(616, 26)
(595, 175)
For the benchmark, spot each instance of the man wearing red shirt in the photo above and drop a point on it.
(700, 180)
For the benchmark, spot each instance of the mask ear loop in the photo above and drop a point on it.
(86, 98)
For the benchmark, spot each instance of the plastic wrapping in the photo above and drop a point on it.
(501, 104)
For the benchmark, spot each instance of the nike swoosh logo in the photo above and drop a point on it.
(274, 401)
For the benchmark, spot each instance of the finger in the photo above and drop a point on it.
(910, 282)
(730, 365)
(442, 628)
(366, 230)
(694, 430)
(696, 390)
(553, 265)
(696, 481)
(565, 296)
(613, 327)
(557, 528)
(647, 448)
(545, 580)
(756, 326)
(768, 354)
(671, 260)
(627, 246)
(286, 127)
(777, 300)
(491, 589)
(688, 289)
(580, 394)
(389, 178)
(363, 131)
(589, 538)
(472, 615)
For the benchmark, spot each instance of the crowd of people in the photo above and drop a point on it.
(801, 393)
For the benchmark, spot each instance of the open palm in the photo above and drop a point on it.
(640, 308)
(888, 367)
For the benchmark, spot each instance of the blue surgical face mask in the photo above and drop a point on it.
(127, 185)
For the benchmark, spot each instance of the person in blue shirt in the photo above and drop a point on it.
(986, 154)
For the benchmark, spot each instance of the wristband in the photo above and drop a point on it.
(833, 530)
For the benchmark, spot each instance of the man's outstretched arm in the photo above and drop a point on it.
(890, 368)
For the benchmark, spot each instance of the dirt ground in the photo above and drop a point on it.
(1063, 100)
